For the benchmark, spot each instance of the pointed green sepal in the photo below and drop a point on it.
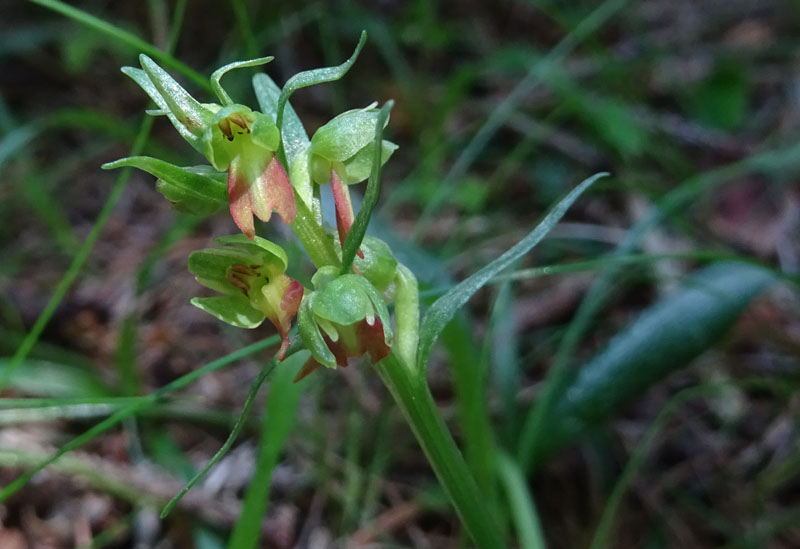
(347, 145)
(223, 96)
(233, 309)
(251, 272)
(197, 190)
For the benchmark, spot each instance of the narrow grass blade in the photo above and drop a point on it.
(442, 311)
(77, 262)
(500, 114)
(119, 416)
(523, 510)
(237, 428)
(639, 454)
(279, 418)
(665, 338)
(780, 160)
(359, 227)
(124, 37)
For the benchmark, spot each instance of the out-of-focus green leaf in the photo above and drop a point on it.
(663, 339)
(443, 310)
(720, 100)
(50, 379)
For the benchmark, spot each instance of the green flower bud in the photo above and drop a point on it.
(251, 275)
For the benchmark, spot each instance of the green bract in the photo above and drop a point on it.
(344, 317)
(251, 275)
(345, 145)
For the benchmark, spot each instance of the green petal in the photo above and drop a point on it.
(210, 266)
(223, 96)
(234, 309)
(310, 334)
(378, 265)
(359, 166)
(264, 132)
(268, 251)
(144, 82)
(343, 300)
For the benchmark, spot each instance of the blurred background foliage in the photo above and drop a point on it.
(687, 440)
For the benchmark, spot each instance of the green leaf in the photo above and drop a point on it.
(279, 418)
(293, 133)
(233, 309)
(223, 96)
(315, 76)
(359, 227)
(721, 99)
(443, 310)
(197, 190)
(665, 338)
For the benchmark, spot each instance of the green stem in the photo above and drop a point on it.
(411, 393)
(406, 312)
(313, 237)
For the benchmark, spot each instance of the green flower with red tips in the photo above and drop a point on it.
(344, 317)
(251, 275)
(232, 137)
(342, 152)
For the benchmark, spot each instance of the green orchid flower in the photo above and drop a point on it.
(233, 137)
(344, 317)
(251, 275)
(342, 152)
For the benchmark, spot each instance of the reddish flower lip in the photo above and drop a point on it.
(271, 190)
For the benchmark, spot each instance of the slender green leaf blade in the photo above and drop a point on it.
(359, 227)
(279, 418)
(443, 310)
(663, 339)
(237, 427)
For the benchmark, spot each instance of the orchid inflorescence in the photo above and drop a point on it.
(345, 315)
